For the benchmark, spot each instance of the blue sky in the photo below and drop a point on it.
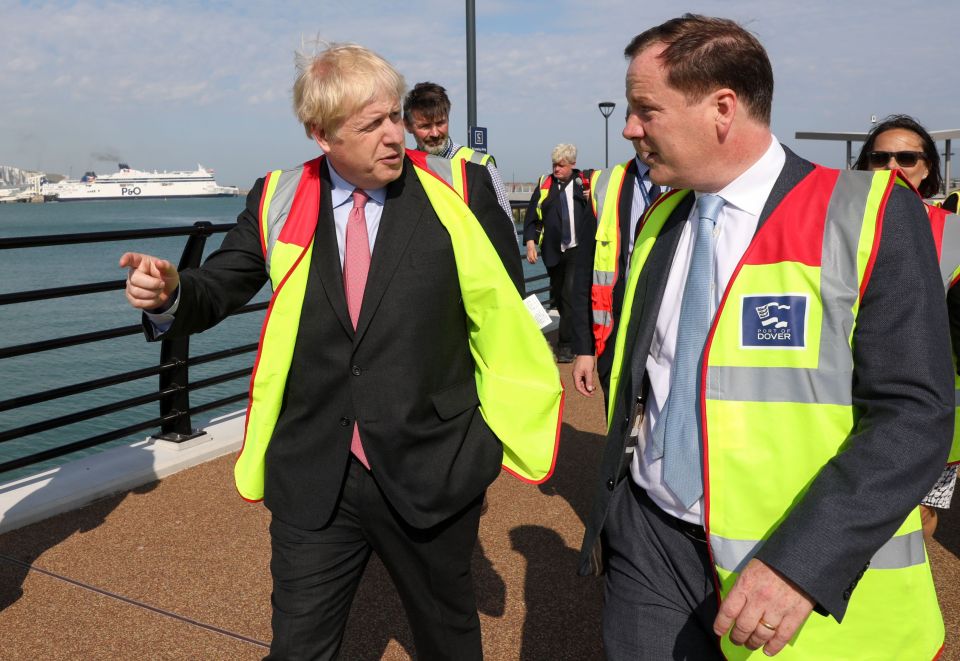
(167, 85)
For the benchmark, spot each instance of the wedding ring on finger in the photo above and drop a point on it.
(767, 625)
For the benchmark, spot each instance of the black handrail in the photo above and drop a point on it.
(175, 410)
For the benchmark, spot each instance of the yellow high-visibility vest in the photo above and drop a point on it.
(778, 363)
(472, 155)
(521, 397)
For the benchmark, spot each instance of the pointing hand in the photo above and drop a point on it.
(150, 280)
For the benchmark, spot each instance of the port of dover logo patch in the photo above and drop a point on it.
(774, 322)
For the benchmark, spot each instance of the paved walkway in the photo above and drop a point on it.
(178, 569)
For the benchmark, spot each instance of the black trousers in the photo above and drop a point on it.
(561, 291)
(659, 596)
(316, 574)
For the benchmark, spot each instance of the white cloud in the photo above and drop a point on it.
(164, 80)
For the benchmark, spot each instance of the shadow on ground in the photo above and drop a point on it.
(563, 614)
(20, 548)
(577, 471)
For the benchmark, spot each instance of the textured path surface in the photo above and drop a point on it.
(180, 569)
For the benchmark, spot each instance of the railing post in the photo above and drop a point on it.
(177, 351)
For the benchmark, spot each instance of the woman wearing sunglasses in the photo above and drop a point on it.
(900, 142)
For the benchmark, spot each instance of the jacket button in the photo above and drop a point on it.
(611, 484)
(344, 422)
(846, 594)
(355, 370)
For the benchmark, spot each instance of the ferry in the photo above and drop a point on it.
(129, 183)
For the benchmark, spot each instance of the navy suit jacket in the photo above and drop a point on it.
(552, 227)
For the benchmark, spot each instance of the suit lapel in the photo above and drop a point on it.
(326, 254)
(404, 207)
(652, 284)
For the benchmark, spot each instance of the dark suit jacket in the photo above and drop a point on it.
(552, 232)
(406, 375)
(583, 280)
(902, 393)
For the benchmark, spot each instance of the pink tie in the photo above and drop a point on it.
(356, 265)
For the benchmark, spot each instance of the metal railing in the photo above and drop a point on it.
(175, 412)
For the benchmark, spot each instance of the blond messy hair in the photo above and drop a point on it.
(564, 152)
(336, 80)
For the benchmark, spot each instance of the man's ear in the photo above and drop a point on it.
(320, 137)
(725, 104)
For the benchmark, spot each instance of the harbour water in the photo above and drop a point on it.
(39, 268)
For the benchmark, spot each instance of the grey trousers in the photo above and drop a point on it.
(659, 596)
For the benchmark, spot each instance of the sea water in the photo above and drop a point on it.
(30, 269)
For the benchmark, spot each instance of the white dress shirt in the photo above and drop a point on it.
(744, 199)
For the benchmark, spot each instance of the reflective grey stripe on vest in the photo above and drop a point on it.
(603, 278)
(473, 156)
(602, 318)
(600, 190)
(280, 205)
(950, 248)
(839, 291)
(442, 167)
(899, 552)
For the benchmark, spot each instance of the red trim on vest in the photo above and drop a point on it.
(794, 231)
(601, 296)
(311, 170)
(938, 221)
(305, 208)
(256, 362)
(419, 158)
(463, 175)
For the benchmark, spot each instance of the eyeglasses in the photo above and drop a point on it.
(906, 159)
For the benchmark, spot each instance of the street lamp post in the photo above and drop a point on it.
(606, 109)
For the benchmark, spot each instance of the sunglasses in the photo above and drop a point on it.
(906, 159)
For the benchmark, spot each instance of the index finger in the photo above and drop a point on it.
(130, 259)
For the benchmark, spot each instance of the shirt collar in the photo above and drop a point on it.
(642, 168)
(749, 191)
(341, 190)
(452, 148)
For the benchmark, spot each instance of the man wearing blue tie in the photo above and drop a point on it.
(558, 218)
(777, 405)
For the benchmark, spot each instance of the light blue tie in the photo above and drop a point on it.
(676, 435)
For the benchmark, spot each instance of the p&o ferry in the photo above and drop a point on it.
(137, 184)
